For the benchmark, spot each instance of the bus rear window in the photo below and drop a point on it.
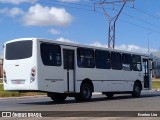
(18, 50)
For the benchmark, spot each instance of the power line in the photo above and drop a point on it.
(72, 3)
(111, 9)
(79, 8)
(135, 24)
(141, 20)
(99, 7)
(85, 5)
(149, 14)
(65, 6)
(140, 26)
(136, 18)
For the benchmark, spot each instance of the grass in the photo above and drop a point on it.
(156, 79)
(155, 84)
(17, 94)
(7, 93)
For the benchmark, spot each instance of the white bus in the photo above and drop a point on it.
(66, 69)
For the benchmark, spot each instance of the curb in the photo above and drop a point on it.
(158, 89)
(153, 90)
(22, 97)
(37, 96)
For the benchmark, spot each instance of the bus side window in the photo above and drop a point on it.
(136, 63)
(126, 62)
(116, 61)
(85, 58)
(51, 54)
(102, 59)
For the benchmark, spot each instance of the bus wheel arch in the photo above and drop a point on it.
(137, 87)
(89, 82)
(86, 90)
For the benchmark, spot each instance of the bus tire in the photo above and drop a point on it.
(58, 97)
(136, 90)
(85, 92)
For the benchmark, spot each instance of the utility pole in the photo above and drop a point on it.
(111, 19)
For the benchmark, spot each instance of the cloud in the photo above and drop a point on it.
(135, 48)
(4, 10)
(98, 44)
(12, 12)
(46, 16)
(65, 40)
(54, 31)
(132, 48)
(69, 1)
(17, 1)
(15, 11)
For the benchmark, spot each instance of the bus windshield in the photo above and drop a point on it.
(18, 50)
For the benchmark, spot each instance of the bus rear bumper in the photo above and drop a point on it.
(20, 87)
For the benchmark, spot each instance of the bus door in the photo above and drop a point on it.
(145, 69)
(68, 62)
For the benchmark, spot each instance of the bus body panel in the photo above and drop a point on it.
(55, 78)
(18, 71)
(51, 78)
(119, 81)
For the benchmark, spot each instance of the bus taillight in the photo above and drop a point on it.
(4, 76)
(33, 74)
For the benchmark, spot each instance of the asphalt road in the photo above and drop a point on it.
(149, 101)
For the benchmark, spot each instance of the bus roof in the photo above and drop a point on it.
(76, 45)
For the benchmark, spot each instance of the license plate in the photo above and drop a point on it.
(17, 81)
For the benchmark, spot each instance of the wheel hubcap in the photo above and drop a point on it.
(137, 89)
(86, 92)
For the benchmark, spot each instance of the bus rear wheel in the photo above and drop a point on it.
(136, 90)
(58, 97)
(85, 93)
